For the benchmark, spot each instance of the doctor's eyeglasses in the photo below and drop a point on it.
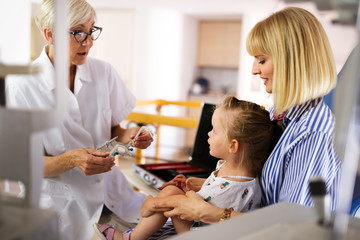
(81, 37)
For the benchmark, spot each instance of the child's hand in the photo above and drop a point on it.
(178, 181)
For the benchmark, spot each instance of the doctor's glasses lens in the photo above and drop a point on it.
(81, 37)
(95, 33)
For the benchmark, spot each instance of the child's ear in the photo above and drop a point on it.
(234, 146)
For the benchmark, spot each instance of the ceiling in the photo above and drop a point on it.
(199, 7)
(207, 9)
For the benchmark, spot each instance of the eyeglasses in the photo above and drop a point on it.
(81, 37)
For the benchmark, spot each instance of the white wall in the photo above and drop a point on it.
(164, 46)
(250, 87)
(116, 42)
(15, 32)
(158, 67)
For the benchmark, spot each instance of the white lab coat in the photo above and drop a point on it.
(100, 100)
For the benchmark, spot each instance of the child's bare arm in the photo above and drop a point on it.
(194, 184)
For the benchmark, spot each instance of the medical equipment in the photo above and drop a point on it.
(321, 200)
(116, 148)
(21, 218)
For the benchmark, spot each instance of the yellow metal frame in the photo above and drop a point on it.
(145, 118)
(158, 119)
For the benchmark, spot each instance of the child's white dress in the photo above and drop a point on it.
(224, 193)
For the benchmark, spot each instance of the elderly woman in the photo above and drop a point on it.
(79, 180)
(293, 57)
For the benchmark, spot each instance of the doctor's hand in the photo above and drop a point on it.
(143, 140)
(90, 161)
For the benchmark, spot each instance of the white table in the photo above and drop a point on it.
(283, 221)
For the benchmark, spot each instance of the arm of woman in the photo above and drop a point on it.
(309, 159)
(190, 207)
(126, 135)
(89, 161)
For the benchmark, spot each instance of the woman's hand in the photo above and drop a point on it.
(126, 135)
(143, 140)
(89, 161)
(147, 209)
(189, 207)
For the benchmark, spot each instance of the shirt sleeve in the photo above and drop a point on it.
(312, 155)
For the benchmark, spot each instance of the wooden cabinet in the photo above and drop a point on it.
(219, 44)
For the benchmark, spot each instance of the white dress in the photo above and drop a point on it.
(225, 193)
(100, 100)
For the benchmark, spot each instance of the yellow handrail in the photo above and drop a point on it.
(158, 119)
(145, 118)
(160, 102)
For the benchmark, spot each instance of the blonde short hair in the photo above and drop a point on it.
(78, 12)
(304, 67)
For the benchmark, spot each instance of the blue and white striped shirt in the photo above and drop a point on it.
(304, 150)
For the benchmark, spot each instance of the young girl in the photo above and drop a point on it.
(243, 136)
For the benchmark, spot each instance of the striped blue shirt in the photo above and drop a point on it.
(304, 150)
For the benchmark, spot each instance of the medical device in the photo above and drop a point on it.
(321, 200)
(116, 148)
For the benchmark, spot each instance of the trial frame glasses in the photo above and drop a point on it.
(81, 36)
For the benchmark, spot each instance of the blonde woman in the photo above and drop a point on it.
(294, 58)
